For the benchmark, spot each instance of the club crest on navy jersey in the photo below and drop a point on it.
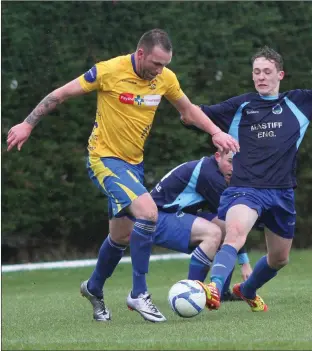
(277, 109)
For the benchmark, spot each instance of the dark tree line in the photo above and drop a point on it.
(50, 209)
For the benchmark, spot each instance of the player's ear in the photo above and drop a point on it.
(217, 156)
(140, 52)
(281, 75)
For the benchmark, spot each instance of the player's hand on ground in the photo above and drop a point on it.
(246, 270)
(225, 142)
(18, 135)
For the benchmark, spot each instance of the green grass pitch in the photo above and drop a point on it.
(43, 310)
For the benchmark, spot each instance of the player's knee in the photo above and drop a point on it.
(125, 240)
(149, 211)
(145, 208)
(283, 263)
(235, 229)
(150, 215)
(210, 237)
(121, 238)
(235, 234)
(216, 235)
(278, 262)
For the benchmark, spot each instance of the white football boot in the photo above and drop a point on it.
(144, 305)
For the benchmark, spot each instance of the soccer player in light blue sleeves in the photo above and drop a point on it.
(269, 126)
(187, 199)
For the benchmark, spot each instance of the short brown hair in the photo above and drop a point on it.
(270, 55)
(155, 37)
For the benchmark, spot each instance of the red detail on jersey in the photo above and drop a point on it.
(126, 98)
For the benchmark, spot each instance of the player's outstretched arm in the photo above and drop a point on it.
(193, 115)
(19, 133)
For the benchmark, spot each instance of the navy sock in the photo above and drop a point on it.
(199, 265)
(141, 241)
(227, 283)
(223, 265)
(261, 274)
(109, 256)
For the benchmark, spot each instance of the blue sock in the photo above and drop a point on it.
(199, 265)
(227, 283)
(141, 241)
(109, 256)
(261, 274)
(224, 263)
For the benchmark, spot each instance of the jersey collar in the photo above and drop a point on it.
(269, 97)
(133, 64)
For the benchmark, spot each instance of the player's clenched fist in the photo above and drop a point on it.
(18, 135)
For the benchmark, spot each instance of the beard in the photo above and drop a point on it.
(144, 73)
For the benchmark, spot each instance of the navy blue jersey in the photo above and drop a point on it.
(269, 131)
(190, 186)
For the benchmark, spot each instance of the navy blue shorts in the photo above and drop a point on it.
(275, 207)
(173, 230)
(207, 215)
(119, 180)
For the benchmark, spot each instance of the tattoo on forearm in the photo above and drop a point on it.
(43, 108)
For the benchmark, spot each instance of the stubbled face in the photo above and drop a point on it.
(151, 64)
(225, 162)
(266, 77)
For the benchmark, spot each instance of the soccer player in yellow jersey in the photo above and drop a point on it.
(129, 89)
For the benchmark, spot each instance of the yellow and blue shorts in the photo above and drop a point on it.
(119, 180)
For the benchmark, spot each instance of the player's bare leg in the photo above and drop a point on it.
(221, 224)
(239, 221)
(207, 235)
(278, 249)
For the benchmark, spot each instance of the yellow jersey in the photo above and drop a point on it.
(126, 106)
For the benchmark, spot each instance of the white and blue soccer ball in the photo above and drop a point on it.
(187, 298)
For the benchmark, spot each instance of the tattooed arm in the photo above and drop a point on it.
(19, 134)
(44, 107)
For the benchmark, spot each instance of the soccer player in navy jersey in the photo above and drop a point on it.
(187, 199)
(269, 126)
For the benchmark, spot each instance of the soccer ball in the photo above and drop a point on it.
(187, 298)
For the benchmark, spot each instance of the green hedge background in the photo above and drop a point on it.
(50, 208)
